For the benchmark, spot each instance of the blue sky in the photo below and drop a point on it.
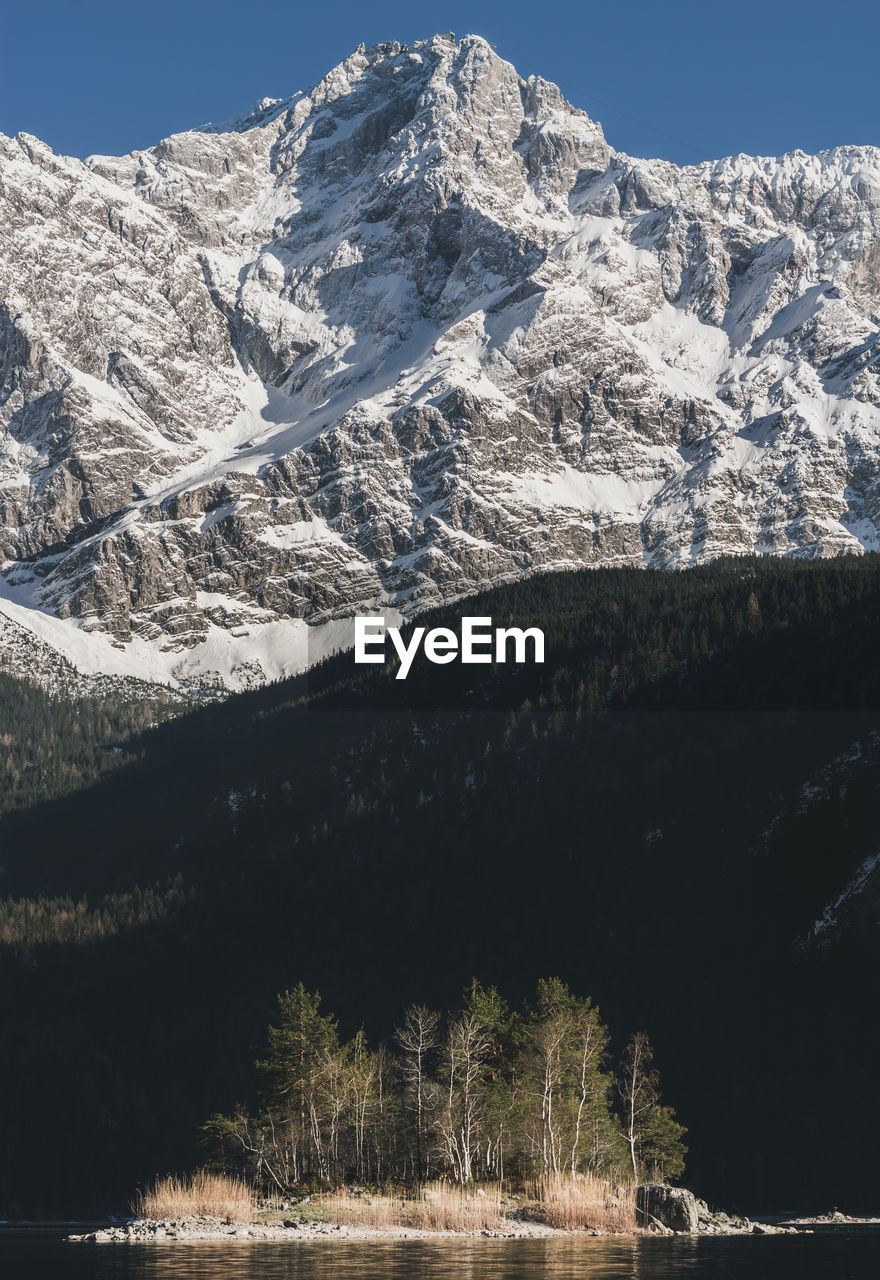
(680, 79)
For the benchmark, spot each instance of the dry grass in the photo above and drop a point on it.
(358, 1211)
(570, 1204)
(437, 1207)
(198, 1194)
(442, 1207)
(585, 1201)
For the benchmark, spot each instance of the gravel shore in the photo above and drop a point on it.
(196, 1229)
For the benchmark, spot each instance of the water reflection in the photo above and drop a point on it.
(847, 1256)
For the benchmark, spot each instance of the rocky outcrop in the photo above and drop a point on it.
(674, 1208)
(417, 330)
(677, 1211)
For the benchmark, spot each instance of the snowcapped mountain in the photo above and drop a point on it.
(413, 332)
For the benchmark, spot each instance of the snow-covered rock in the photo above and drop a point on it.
(413, 332)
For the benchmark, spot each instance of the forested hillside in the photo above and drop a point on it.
(659, 815)
(51, 745)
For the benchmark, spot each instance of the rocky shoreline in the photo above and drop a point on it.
(205, 1228)
(833, 1219)
(663, 1211)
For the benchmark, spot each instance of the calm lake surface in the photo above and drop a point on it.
(829, 1255)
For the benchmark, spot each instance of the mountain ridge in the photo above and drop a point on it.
(413, 331)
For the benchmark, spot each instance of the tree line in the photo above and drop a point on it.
(485, 1093)
(26, 923)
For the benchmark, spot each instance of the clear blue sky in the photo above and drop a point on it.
(684, 79)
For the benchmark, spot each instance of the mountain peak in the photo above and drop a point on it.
(411, 331)
(457, 71)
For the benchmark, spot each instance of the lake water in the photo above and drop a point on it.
(827, 1255)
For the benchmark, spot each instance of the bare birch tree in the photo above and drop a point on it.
(418, 1037)
(638, 1091)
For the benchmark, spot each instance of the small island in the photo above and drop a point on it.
(491, 1121)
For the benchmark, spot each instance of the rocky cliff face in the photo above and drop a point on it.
(412, 332)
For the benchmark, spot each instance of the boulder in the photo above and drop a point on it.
(671, 1207)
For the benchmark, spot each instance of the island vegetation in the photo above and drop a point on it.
(441, 1125)
(484, 1094)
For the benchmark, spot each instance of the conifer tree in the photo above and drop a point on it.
(298, 1072)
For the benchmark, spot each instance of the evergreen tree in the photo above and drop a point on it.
(300, 1074)
(568, 1124)
(475, 1097)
